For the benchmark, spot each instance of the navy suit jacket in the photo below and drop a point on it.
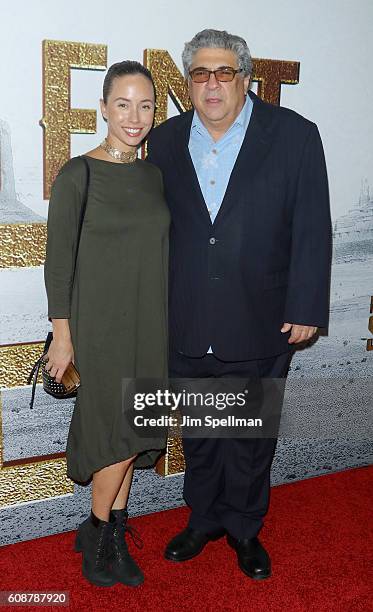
(266, 258)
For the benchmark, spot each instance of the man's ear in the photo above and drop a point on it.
(246, 83)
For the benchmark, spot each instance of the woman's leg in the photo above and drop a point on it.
(121, 499)
(110, 492)
(107, 485)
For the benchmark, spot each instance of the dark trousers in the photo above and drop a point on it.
(227, 480)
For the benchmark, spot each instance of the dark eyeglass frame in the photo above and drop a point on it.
(223, 69)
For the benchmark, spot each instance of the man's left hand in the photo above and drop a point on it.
(299, 333)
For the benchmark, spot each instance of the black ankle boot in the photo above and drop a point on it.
(94, 539)
(124, 567)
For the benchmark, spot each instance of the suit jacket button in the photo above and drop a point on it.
(212, 240)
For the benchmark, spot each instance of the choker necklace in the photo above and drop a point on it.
(126, 157)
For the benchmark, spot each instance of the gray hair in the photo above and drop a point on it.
(218, 39)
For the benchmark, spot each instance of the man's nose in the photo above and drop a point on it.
(213, 82)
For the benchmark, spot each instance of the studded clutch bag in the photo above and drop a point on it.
(66, 388)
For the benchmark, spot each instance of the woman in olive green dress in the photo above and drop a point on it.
(110, 317)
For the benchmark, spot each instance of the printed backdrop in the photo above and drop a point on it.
(52, 51)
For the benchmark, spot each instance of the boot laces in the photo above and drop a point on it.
(120, 544)
(135, 535)
(102, 551)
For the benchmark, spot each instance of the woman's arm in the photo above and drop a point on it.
(63, 222)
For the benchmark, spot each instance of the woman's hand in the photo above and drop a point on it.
(61, 351)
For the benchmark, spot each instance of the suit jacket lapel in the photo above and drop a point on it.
(256, 144)
(185, 165)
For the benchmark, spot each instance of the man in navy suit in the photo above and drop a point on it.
(250, 252)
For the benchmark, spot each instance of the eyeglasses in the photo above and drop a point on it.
(223, 74)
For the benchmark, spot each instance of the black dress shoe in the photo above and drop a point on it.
(252, 557)
(189, 543)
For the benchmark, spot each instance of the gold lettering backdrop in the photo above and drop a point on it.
(59, 119)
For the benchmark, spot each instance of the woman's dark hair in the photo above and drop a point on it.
(121, 69)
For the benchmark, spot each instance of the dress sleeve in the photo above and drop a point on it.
(62, 232)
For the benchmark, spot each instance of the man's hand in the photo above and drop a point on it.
(299, 333)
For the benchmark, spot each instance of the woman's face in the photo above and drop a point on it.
(129, 110)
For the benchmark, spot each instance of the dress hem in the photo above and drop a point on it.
(151, 464)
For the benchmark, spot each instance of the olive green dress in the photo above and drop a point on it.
(117, 304)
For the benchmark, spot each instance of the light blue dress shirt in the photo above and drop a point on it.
(214, 161)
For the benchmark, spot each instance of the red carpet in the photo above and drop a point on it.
(318, 532)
